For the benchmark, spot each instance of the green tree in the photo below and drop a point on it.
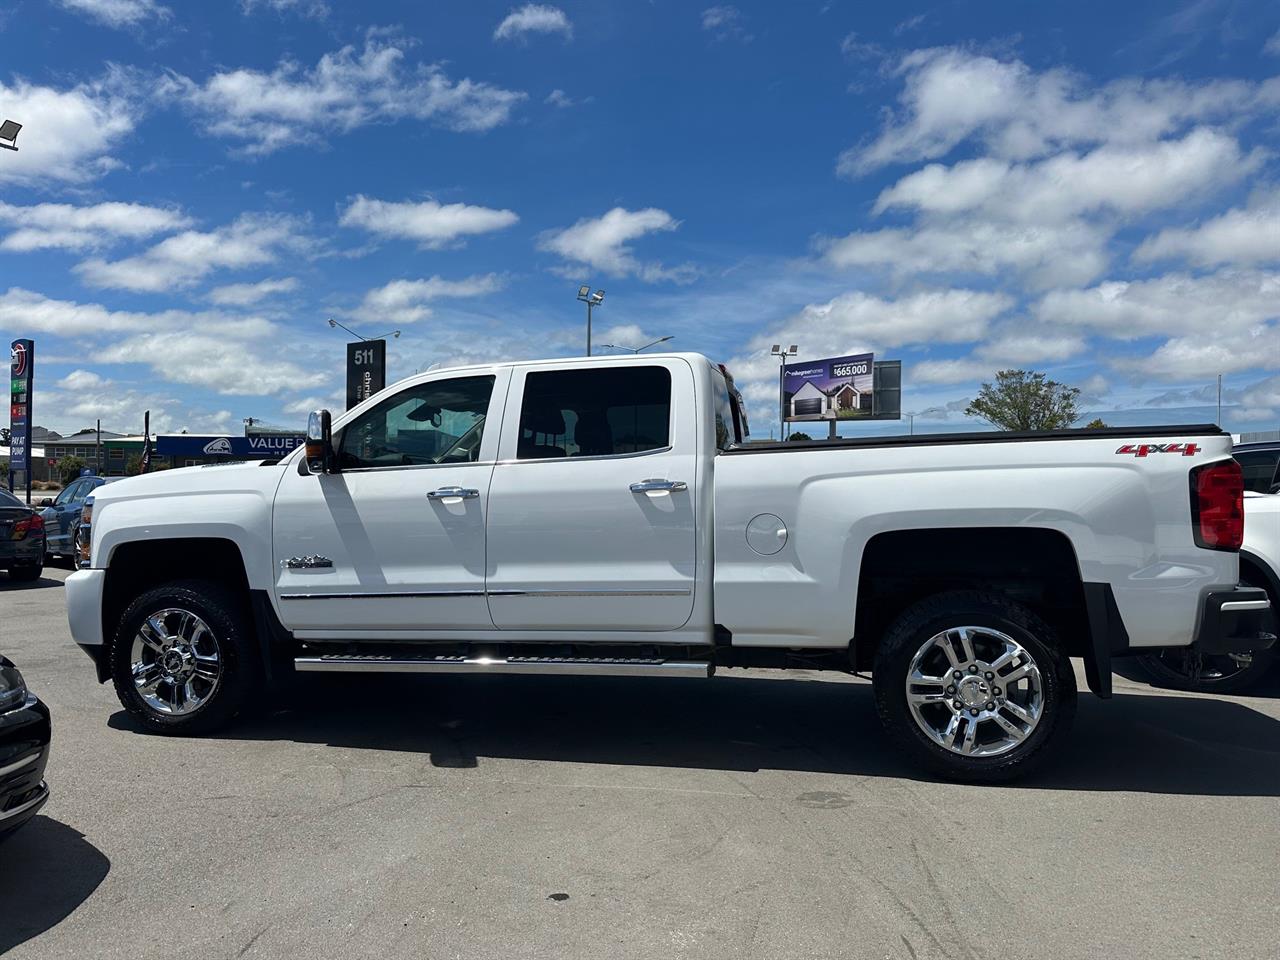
(69, 468)
(1025, 400)
(1097, 423)
(800, 435)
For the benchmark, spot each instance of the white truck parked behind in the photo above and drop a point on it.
(607, 516)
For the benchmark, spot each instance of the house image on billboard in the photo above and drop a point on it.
(812, 402)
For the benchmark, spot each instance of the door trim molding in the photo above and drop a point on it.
(431, 594)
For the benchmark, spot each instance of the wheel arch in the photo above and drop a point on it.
(1035, 566)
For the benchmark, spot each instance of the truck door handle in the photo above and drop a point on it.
(655, 485)
(453, 493)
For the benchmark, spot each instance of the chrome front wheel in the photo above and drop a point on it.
(975, 691)
(176, 662)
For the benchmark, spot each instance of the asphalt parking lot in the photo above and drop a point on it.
(749, 816)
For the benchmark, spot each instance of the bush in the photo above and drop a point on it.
(69, 468)
(799, 435)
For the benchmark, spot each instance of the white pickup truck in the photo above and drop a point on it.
(608, 516)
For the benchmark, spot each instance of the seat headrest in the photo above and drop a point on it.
(546, 420)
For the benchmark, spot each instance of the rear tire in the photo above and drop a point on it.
(993, 708)
(184, 659)
(26, 574)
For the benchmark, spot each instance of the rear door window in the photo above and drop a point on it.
(595, 413)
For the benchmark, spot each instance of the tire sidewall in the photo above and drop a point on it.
(216, 607)
(931, 617)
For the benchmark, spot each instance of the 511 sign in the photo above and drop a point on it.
(366, 370)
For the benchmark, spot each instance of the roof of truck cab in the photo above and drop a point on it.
(689, 356)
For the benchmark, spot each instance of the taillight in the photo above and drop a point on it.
(1217, 505)
(31, 524)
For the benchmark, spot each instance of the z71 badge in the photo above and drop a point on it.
(1143, 449)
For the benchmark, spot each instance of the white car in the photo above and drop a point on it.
(608, 516)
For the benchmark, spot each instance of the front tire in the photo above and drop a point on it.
(26, 573)
(974, 687)
(183, 659)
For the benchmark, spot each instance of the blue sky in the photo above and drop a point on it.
(1086, 188)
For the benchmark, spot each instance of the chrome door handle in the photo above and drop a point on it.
(453, 493)
(656, 485)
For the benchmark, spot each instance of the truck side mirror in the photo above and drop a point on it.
(319, 453)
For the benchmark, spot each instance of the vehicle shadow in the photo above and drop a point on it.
(8, 583)
(1152, 743)
(49, 870)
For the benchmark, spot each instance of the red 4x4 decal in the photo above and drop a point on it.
(1142, 449)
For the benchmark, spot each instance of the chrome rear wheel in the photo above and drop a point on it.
(975, 691)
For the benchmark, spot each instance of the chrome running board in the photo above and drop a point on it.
(600, 667)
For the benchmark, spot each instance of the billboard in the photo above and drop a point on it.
(261, 447)
(366, 370)
(838, 388)
(22, 355)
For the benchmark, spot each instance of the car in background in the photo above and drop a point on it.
(22, 542)
(1259, 567)
(25, 732)
(62, 515)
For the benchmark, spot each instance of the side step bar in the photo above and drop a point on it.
(599, 667)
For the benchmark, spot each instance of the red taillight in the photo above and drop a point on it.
(1217, 505)
(31, 524)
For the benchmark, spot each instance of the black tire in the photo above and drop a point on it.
(240, 678)
(26, 573)
(1184, 669)
(930, 617)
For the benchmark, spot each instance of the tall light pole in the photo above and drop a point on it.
(591, 300)
(777, 351)
(623, 346)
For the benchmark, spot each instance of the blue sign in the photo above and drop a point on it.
(233, 448)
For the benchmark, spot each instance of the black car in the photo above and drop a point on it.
(24, 750)
(22, 543)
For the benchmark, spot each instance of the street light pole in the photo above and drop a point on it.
(782, 355)
(360, 336)
(591, 300)
(623, 346)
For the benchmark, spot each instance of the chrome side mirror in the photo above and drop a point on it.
(319, 453)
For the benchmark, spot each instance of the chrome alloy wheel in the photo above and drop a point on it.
(975, 691)
(175, 661)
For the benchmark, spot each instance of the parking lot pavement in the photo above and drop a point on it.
(749, 816)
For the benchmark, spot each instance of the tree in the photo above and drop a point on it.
(69, 468)
(800, 435)
(1097, 423)
(1025, 400)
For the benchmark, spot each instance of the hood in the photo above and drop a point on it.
(212, 478)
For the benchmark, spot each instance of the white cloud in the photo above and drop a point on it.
(81, 380)
(118, 13)
(952, 95)
(1047, 255)
(216, 359)
(1229, 302)
(431, 224)
(1121, 179)
(248, 294)
(1202, 355)
(1272, 46)
(45, 226)
(1240, 237)
(71, 133)
(346, 90)
(317, 9)
(601, 243)
(181, 260)
(558, 98)
(837, 327)
(724, 22)
(533, 18)
(408, 301)
(1010, 349)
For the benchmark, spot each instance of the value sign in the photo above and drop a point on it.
(366, 370)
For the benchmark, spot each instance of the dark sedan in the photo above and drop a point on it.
(22, 543)
(62, 514)
(24, 750)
